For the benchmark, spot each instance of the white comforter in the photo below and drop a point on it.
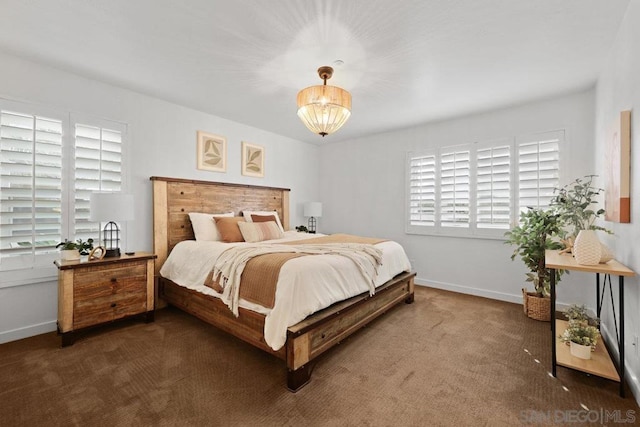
(305, 285)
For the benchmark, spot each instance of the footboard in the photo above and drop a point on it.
(306, 340)
(321, 331)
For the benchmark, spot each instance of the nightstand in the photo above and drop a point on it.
(96, 292)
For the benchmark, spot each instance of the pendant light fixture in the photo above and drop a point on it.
(322, 108)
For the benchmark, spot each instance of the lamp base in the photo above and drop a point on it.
(112, 253)
(312, 225)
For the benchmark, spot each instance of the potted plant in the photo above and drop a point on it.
(575, 205)
(302, 229)
(71, 250)
(582, 339)
(577, 315)
(531, 239)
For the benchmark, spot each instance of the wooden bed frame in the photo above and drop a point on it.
(174, 198)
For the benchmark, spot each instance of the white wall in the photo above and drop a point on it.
(618, 89)
(162, 141)
(363, 192)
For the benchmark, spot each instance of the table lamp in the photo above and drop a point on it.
(313, 210)
(109, 208)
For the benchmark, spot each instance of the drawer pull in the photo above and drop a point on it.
(114, 280)
(113, 304)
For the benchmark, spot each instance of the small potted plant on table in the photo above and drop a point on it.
(531, 238)
(71, 250)
(582, 339)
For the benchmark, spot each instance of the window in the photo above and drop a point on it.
(454, 188)
(538, 165)
(46, 176)
(422, 191)
(30, 177)
(479, 189)
(98, 167)
(493, 186)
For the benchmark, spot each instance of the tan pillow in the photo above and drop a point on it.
(263, 218)
(259, 231)
(228, 228)
(247, 216)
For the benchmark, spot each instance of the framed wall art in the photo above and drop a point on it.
(212, 152)
(252, 160)
(617, 203)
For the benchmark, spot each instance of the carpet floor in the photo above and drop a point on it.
(448, 359)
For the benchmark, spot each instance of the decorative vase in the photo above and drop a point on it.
(69, 254)
(581, 351)
(606, 254)
(586, 248)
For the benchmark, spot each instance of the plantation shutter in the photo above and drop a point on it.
(31, 184)
(454, 188)
(98, 167)
(538, 168)
(493, 187)
(422, 190)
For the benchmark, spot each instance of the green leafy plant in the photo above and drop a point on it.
(80, 245)
(581, 334)
(576, 312)
(575, 204)
(302, 229)
(531, 239)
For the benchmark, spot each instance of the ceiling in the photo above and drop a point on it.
(405, 61)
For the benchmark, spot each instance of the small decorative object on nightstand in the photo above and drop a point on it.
(313, 210)
(100, 291)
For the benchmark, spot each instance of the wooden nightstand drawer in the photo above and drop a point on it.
(97, 282)
(105, 309)
(104, 274)
(95, 292)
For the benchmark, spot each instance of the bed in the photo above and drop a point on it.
(305, 340)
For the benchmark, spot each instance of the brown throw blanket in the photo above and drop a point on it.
(261, 273)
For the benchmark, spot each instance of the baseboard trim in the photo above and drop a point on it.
(27, 331)
(500, 296)
(517, 299)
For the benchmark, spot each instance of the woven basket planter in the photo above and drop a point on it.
(535, 307)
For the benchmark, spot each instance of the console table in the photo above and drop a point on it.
(601, 363)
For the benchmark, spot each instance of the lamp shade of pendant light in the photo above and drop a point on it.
(322, 108)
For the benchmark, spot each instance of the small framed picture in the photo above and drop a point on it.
(252, 160)
(212, 152)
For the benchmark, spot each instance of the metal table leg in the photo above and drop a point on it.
(621, 343)
(553, 321)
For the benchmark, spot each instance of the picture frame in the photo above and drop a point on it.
(252, 160)
(617, 200)
(211, 152)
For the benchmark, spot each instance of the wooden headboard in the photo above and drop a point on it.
(174, 198)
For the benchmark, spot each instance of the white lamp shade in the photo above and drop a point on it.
(104, 207)
(313, 209)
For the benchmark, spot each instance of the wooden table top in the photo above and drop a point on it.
(554, 259)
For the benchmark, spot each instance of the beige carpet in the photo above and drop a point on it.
(447, 359)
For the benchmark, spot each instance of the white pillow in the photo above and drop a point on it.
(259, 231)
(204, 227)
(247, 216)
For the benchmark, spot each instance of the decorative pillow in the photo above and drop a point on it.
(228, 228)
(263, 218)
(259, 231)
(204, 227)
(248, 216)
